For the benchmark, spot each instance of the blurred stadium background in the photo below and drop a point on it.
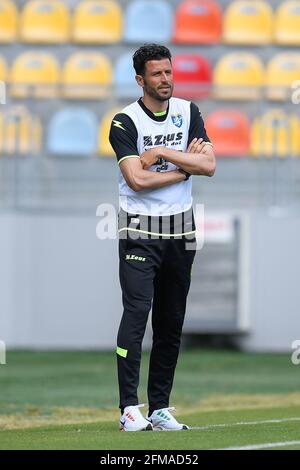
(67, 69)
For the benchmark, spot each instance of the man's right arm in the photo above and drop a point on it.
(139, 179)
(123, 139)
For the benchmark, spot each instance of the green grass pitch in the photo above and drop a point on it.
(68, 400)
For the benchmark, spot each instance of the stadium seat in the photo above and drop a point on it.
(30, 135)
(73, 131)
(21, 132)
(104, 147)
(9, 136)
(282, 71)
(229, 130)
(36, 135)
(192, 76)
(287, 23)
(248, 22)
(87, 75)
(238, 76)
(198, 22)
(8, 21)
(45, 21)
(3, 70)
(125, 85)
(34, 74)
(275, 134)
(147, 21)
(97, 22)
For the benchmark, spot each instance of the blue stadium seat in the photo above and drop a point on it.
(125, 85)
(147, 20)
(73, 131)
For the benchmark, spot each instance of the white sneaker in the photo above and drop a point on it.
(162, 420)
(133, 420)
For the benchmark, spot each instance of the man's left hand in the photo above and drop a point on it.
(151, 156)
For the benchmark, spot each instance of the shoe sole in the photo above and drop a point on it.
(160, 428)
(147, 428)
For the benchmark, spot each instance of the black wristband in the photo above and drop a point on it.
(187, 175)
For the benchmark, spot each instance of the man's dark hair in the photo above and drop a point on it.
(149, 52)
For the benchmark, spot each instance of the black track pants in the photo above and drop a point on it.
(158, 270)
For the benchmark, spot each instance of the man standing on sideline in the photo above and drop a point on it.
(159, 142)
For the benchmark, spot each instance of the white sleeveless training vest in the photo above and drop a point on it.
(172, 133)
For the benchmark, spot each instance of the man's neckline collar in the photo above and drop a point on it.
(159, 117)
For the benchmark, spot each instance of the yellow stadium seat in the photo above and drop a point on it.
(34, 74)
(3, 81)
(87, 75)
(282, 71)
(248, 22)
(238, 75)
(97, 21)
(287, 23)
(104, 147)
(275, 134)
(36, 133)
(10, 136)
(19, 132)
(11, 122)
(8, 21)
(45, 21)
(3, 70)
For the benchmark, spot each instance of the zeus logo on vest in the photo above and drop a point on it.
(161, 139)
(162, 165)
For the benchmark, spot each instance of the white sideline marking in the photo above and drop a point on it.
(268, 445)
(244, 423)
